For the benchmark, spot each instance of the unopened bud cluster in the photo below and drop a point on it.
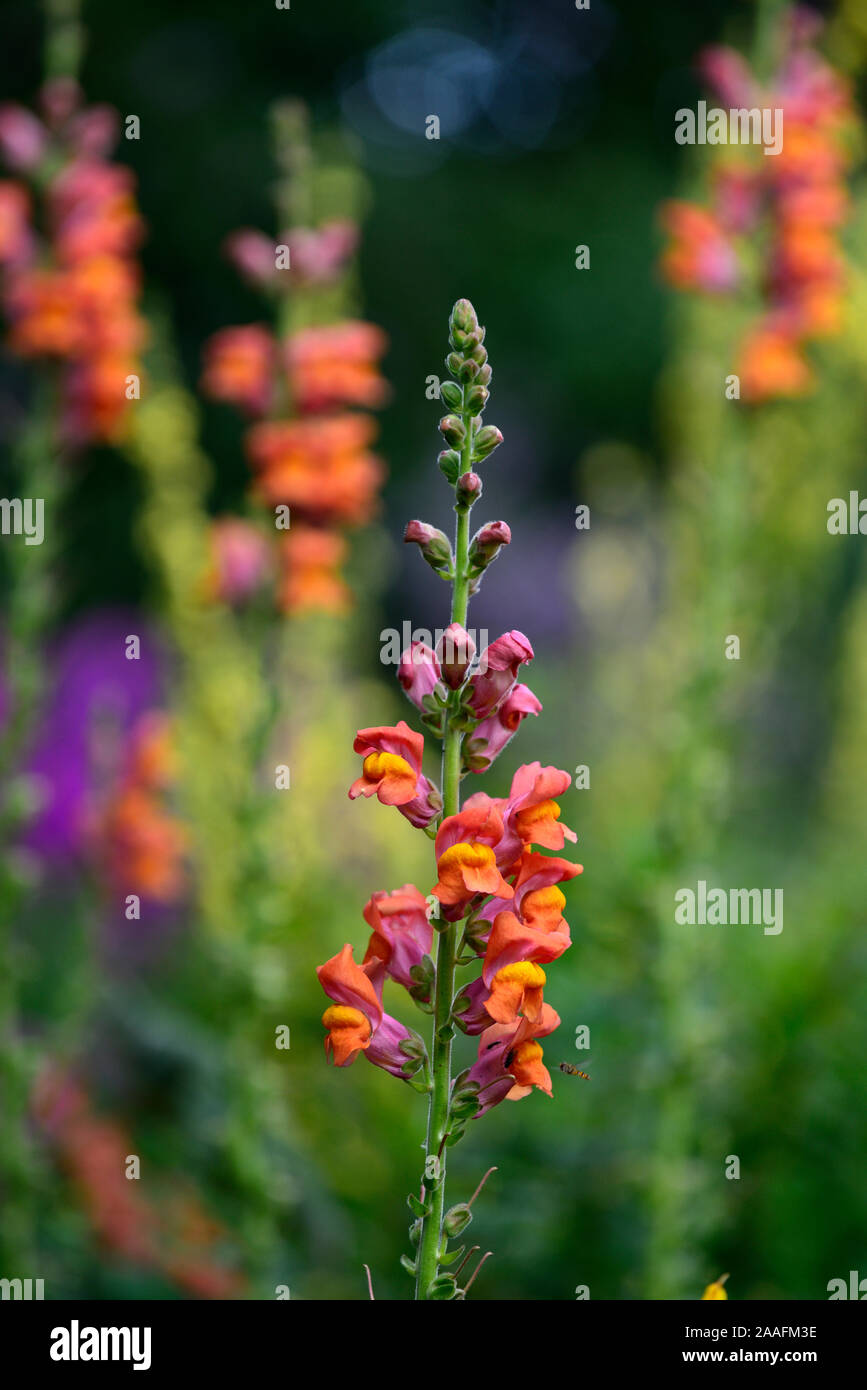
(469, 443)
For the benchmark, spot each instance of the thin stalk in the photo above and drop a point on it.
(29, 607)
(443, 1030)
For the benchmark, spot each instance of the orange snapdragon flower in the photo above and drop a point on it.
(239, 367)
(336, 365)
(71, 293)
(466, 846)
(791, 203)
(310, 578)
(141, 842)
(320, 467)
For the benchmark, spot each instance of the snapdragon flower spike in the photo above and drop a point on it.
(391, 771)
(489, 871)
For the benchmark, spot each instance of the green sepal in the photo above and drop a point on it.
(449, 1259)
(449, 463)
(417, 1206)
(457, 1219)
(409, 1265)
(464, 1110)
(443, 1288)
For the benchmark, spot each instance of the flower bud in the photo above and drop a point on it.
(457, 1219)
(475, 399)
(464, 342)
(468, 488)
(486, 441)
(455, 651)
(468, 370)
(451, 394)
(453, 430)
(486, 544)
(434, 545)
(463, 316)
(450, 463)
(419, 673)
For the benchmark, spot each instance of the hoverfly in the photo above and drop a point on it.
(568, 1068)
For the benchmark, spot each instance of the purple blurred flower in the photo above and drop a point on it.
(94, 696)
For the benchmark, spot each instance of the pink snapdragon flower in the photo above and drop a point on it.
(23, 138)
(455, 651)
(498, 672)
(419, 672)
(16, 236)
(240, 560)
(490, 737)
(401, 933)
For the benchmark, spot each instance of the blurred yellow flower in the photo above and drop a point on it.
(716, 1290)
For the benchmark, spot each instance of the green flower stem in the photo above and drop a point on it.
(64, 39)
(443, 1029)
(30, 602)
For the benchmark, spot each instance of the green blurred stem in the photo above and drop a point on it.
(429, 1249)
(29, 608)
(64, 39)
(767, 35)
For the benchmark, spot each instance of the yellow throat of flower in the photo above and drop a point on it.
(534, 815)
(543, 902)
(524, 972)
(466, 856)
(379, 765)
(340, 1016)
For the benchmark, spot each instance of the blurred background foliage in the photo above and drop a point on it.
(266, 1167)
